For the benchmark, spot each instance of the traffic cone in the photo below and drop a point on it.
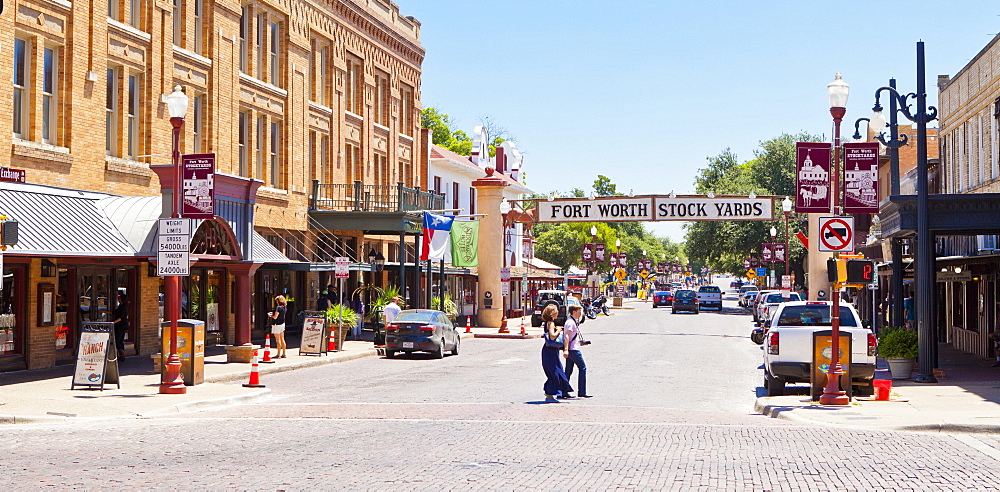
(468, 324)
(254, 374)
(522, 326)
(267, 350)
(331, 345)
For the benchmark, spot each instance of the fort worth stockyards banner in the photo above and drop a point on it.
(655, 208)
(861, 178)
(812, 177)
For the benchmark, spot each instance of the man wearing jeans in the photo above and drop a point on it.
(571, 335)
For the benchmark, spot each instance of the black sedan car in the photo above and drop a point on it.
(685, 300)
(421, 330)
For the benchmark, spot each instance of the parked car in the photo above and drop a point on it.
(745, 298)
(662, 298)
(770, 301)
(685, 300)
(710, 296)
(545, 297)
(756, 299)
(788, 345)
(421, 330)
(736, 284)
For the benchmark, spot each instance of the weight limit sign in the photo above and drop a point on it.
(836, 234)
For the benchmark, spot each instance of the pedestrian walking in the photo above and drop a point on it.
(910, 313)
(389, 313)
(121, 323)
(556, 382)
(995, 338)
(278, 324)
(574, 358)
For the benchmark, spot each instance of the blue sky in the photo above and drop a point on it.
(644, 92)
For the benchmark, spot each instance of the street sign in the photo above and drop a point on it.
(199, 186)
(836, 234)
(786, 282)
(505, 274)
(746, 263)
(762, 272)
(620, 274)
(173, 241)
(751, 274)
(12, 175)
(342, 267)
(505, 288)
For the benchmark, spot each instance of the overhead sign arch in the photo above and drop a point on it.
(654, 208)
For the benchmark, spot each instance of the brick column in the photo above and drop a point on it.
(243, 274)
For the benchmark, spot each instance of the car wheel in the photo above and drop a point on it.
(458, 341)
(673, 311)
(654, 307)
(536, 322)
(390, 354)
(867, 389)
(439, 353)
(775, 386)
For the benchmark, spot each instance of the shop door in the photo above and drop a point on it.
(203, 300)
(95, 290)
(12, 304)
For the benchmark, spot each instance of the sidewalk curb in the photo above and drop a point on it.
(207, 404)
(507, 336)
(786, 412)
(311, 362)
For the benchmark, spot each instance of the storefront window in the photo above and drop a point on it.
(61, 320)
(8, 318)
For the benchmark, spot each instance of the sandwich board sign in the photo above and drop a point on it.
(313, 331)
(96, 359)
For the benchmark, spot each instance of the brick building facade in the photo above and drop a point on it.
(288, 95)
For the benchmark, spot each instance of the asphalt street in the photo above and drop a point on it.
(672, 409)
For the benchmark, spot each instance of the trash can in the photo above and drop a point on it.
(882, 389)
(190, 348)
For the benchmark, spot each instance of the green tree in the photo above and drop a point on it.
(442, 132)
(604, 187)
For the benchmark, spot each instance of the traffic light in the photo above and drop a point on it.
(8, 232)
(860, 271)
(836, 271)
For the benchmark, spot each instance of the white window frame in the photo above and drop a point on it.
(259, 147)
(261, 22)
(178, 22)
(132, 115)
(244, 46)
(198, 123)
(22, 92)
(273, 46)
(273, 154)
(111, 106)
(244, 133)
(50, 94)
(135, 13)
(198, 25)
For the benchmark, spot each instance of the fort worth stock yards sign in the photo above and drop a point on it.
(655, 208)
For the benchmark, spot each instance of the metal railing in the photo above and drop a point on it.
(359, 197)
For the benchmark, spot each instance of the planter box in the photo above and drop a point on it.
(900, 368)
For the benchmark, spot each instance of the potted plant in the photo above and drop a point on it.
(450, 308)
(341, 317)
(899, 349)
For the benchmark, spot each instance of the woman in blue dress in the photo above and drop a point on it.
(556, 382)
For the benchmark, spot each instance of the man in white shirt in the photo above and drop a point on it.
(389, 313)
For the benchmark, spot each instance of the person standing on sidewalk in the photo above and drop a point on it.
(573, 341)
(556, 382)
(389, 313)
(278, 324)
(120, 316)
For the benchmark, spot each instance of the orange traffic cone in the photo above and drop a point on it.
(267, 350)
(331, 345)
(468, 324)
(522, 326)
(254, 375)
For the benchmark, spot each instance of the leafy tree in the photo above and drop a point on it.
(442, 133)
(604, 187)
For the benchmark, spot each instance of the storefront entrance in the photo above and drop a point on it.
(204, 299)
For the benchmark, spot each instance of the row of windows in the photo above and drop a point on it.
(452, 196)
(972, 153)
(263, 135)
(30, 93)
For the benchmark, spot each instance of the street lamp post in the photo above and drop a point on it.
(774, 235)
(172, 383)
(593, 259)
(786, 208)
(837, 92)
(925, 254)
(892, 144)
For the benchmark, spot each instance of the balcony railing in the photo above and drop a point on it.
(359, 197)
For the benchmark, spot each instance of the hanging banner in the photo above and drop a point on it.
(779, 252)
(861, 178)
(96, 359)
(812, 177)
(588, 252)
(599, 253)
(465, 243)
(199, 186)
(765, 252)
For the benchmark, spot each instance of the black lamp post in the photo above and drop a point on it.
(892, 144)
(925, 252)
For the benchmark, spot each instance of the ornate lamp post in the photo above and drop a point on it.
(837, 92)
(925, 252)
(774, 235)
(590, 268)
(172, 383)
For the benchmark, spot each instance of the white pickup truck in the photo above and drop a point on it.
(710, 296)
(788, 345)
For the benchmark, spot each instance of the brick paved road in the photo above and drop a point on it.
(474, 421)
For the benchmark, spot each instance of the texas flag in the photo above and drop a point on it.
(437, 232)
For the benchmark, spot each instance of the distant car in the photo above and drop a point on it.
(755, 300)
(421, 330)
(745, 298)
(710, 296)
(736, 284)
(555, 297)
(685, 300)
(662, 298)
(769, 302)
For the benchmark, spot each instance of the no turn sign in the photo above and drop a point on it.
(836, 234)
